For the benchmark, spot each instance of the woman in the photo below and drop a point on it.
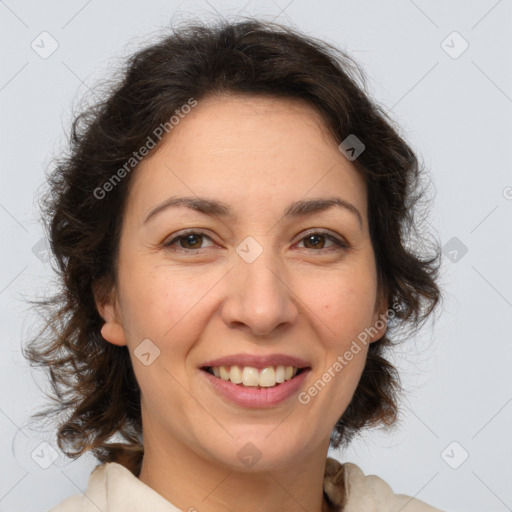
(231, 229)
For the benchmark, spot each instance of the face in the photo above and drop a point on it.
(259, 280)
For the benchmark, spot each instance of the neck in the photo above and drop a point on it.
(194, 483)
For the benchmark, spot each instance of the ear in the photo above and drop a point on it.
(108, 308)
(380, 318)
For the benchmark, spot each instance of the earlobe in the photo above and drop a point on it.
(112, 330)
(380, 326)
(380, 323)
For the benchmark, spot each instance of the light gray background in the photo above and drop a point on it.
(455, 111)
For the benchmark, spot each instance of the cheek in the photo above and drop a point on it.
(345, 306)
(165, 305)
(168, 308)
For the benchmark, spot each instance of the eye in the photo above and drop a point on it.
(192, 241)
(188, 241)
(317, 240)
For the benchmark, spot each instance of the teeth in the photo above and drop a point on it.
(252, 377)
(280, 373)
(267, 378)
(235, 375)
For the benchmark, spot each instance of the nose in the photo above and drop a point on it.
(259, 299)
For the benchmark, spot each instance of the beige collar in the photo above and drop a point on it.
(115, 488)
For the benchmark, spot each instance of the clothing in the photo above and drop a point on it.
(114, 488)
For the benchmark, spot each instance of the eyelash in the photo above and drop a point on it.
(341, 245)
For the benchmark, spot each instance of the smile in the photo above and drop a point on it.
(250, 376)
(256, 396)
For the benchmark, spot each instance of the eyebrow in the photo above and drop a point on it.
(213, 207)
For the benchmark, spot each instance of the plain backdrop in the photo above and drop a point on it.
(443, 71)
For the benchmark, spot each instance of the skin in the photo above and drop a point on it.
(258, 155)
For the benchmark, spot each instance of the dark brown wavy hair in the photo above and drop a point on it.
(92, 381)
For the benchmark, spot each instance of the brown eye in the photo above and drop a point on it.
(187, 242)
(314, 241)
(192, 241)
(318, 241)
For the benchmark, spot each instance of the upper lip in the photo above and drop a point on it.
(257, 361)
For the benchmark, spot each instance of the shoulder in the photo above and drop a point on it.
(370, 493)
(115, 488)
(375, 494)
(94, 497)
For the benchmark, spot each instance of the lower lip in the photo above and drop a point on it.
(257, 397)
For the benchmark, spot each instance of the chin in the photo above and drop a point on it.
(266, 449)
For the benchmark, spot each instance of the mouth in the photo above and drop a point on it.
(251, 377)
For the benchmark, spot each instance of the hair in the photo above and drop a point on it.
(92, 381)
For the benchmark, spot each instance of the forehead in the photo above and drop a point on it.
(243, 117)
(248, 151)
